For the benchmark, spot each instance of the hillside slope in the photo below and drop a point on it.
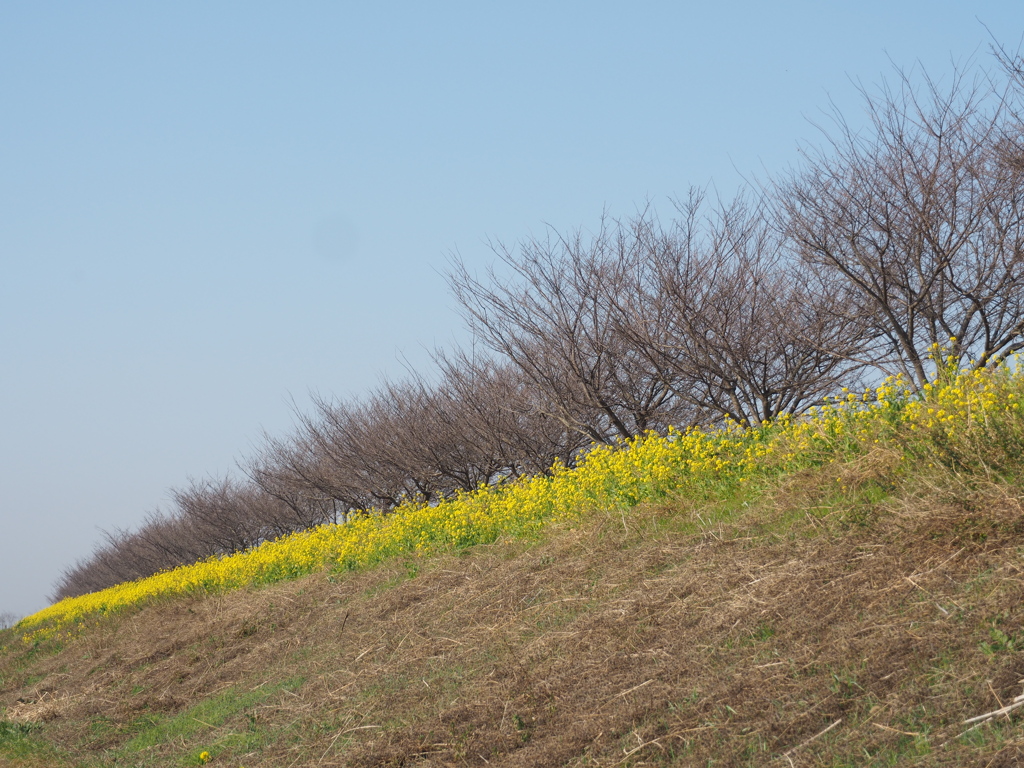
(844, 590)
(808, 630)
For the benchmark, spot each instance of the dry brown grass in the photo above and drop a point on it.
(641, 639)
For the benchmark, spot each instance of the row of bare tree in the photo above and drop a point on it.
(885, 244)
(412, 440)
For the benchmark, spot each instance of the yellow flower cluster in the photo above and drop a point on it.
(694, 463)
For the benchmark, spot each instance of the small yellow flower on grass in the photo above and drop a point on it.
(204, 757)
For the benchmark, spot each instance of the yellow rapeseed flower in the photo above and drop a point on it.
(691, 462)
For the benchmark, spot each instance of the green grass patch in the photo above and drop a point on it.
(221, 724)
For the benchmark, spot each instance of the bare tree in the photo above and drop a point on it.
(555, 320)
(731, 321)
(439, 449)
(922, 218)
(210, 517)
(1011, 143)
(220, 512)
(121, 556)
(363, 443)
(497, 410)
(417, 439)
(309, 486)
(411, 440)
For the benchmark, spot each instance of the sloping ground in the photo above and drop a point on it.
(812, 628)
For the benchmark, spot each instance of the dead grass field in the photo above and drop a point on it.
(804, 628)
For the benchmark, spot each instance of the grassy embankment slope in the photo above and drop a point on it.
(842, 590)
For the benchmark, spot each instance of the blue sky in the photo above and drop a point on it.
(209, 210)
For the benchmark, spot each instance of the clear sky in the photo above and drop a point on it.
(210, 209)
